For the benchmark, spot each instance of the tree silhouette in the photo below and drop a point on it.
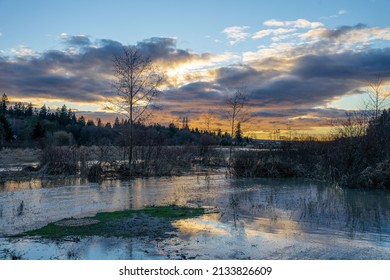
(137, 86)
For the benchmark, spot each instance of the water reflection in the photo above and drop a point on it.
(96, 248)
(282, 217)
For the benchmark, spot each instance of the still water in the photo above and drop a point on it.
(255, 219)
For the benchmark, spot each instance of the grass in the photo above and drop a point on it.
(150, 221)
(18, 156)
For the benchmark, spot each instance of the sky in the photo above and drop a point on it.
(303, 63)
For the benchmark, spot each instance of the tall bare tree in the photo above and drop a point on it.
(137, 86)
(378, 97)
(235, 108)
(235, 105)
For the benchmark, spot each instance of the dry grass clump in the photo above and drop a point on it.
(19, 156)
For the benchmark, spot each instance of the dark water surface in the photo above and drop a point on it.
(256, 219)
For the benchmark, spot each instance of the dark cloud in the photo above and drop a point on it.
(79, 41)
(271, 114)
(297, 112)
(197, 92)
(295, 91)
(314, 79)
(191, 112)
(239, 75)
(53, 75)
(164, 48)
(77, 76)
(343, 30)
(360, 66)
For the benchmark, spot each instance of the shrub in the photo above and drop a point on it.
(62, 138)
(95, 172)
(260, 164)
(372, 177)
(62, 160)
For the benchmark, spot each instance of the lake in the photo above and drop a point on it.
(249, 218)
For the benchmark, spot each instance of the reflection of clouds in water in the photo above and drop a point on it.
(211, 225)
(271, 229)
(206, 225)
(88, 248)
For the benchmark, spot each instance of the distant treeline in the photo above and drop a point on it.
(22, 125)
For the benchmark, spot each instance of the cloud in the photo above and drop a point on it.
(286, 80)
(267, 32)
(23, 51)
(286, 49)
(295, 91)
(164, 48)
(294, 113)
(236, 34)
(342, 12)
(338, 14)
(357, 37)
(360, 66)
(314, 80)
(80, 40)
(58, 74)
(299, 23)
(356, 33)
(342, 32)
(195, 93)
(85, 75)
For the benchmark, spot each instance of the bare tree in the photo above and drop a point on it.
(378, 97)
(235, 108)
(356, 123)
(137, 86)
(235, 111)
(353, 126)
(207, 120)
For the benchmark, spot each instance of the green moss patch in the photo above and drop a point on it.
(148, 222)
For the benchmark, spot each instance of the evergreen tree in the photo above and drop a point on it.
(62, 115)
(3, 104)
(38, 132)
(238, 133)
(116, 123)
(29, 110)
(5, 129)
(19, 109)
(99, 122)
(90, 123)
(81, 121)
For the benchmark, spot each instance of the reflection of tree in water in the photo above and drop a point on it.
(349, 210)
(367, 211)
(315, 207)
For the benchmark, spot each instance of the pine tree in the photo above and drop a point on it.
(238, 133)
(38, 132)
(3, 104)
(5, 129)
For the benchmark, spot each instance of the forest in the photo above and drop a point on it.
(25, 126)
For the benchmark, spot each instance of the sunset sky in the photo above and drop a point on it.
(303, 63)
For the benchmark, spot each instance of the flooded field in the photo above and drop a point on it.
(254, 219)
